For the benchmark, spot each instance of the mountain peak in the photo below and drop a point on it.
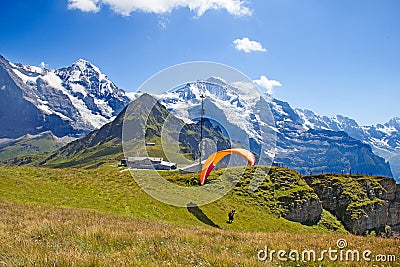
(83, 64)
(81, 61)
(84, 73)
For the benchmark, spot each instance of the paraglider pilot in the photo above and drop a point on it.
(230, 216)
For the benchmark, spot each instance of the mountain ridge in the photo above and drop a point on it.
(384, 139)
(83, 99)
(301, 148)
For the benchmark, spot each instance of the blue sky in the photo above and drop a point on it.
(333, 57)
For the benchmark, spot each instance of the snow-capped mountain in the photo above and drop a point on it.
(244, 117)
(75, 100)
(69, 101)
(383, 138)
(298, 145)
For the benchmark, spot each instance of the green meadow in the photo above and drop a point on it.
(77, 217)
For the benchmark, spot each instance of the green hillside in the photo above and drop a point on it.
(67, 217)
(116, 192)
(44, 142)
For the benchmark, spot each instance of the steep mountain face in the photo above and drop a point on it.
(243, 116)
(298, 145)
(383, 138)
(69, 101)
(322, 149)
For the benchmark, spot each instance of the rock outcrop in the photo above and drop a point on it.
(394, 210)
(306, 210)
(361, 203)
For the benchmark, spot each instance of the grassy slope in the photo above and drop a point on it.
(107, 219)
(115, 192)
(30, 145)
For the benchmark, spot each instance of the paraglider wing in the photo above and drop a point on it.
(213, 160)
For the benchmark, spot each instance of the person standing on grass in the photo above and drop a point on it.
(230, 216)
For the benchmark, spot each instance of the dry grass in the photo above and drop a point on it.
(40, 235)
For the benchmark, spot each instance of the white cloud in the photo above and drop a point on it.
(126, 7)
(264, 82)
(84, 5)
(247, 45)
(43, 65)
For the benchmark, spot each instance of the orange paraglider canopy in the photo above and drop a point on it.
(213, 160)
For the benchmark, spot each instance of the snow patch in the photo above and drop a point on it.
(25, 78)
(106, 110)
(133, 95)
(77, 88)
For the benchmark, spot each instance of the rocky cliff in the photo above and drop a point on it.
(361, 203)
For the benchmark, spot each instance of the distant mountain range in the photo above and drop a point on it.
(298, 145)
(383, 138)
(73, 101)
